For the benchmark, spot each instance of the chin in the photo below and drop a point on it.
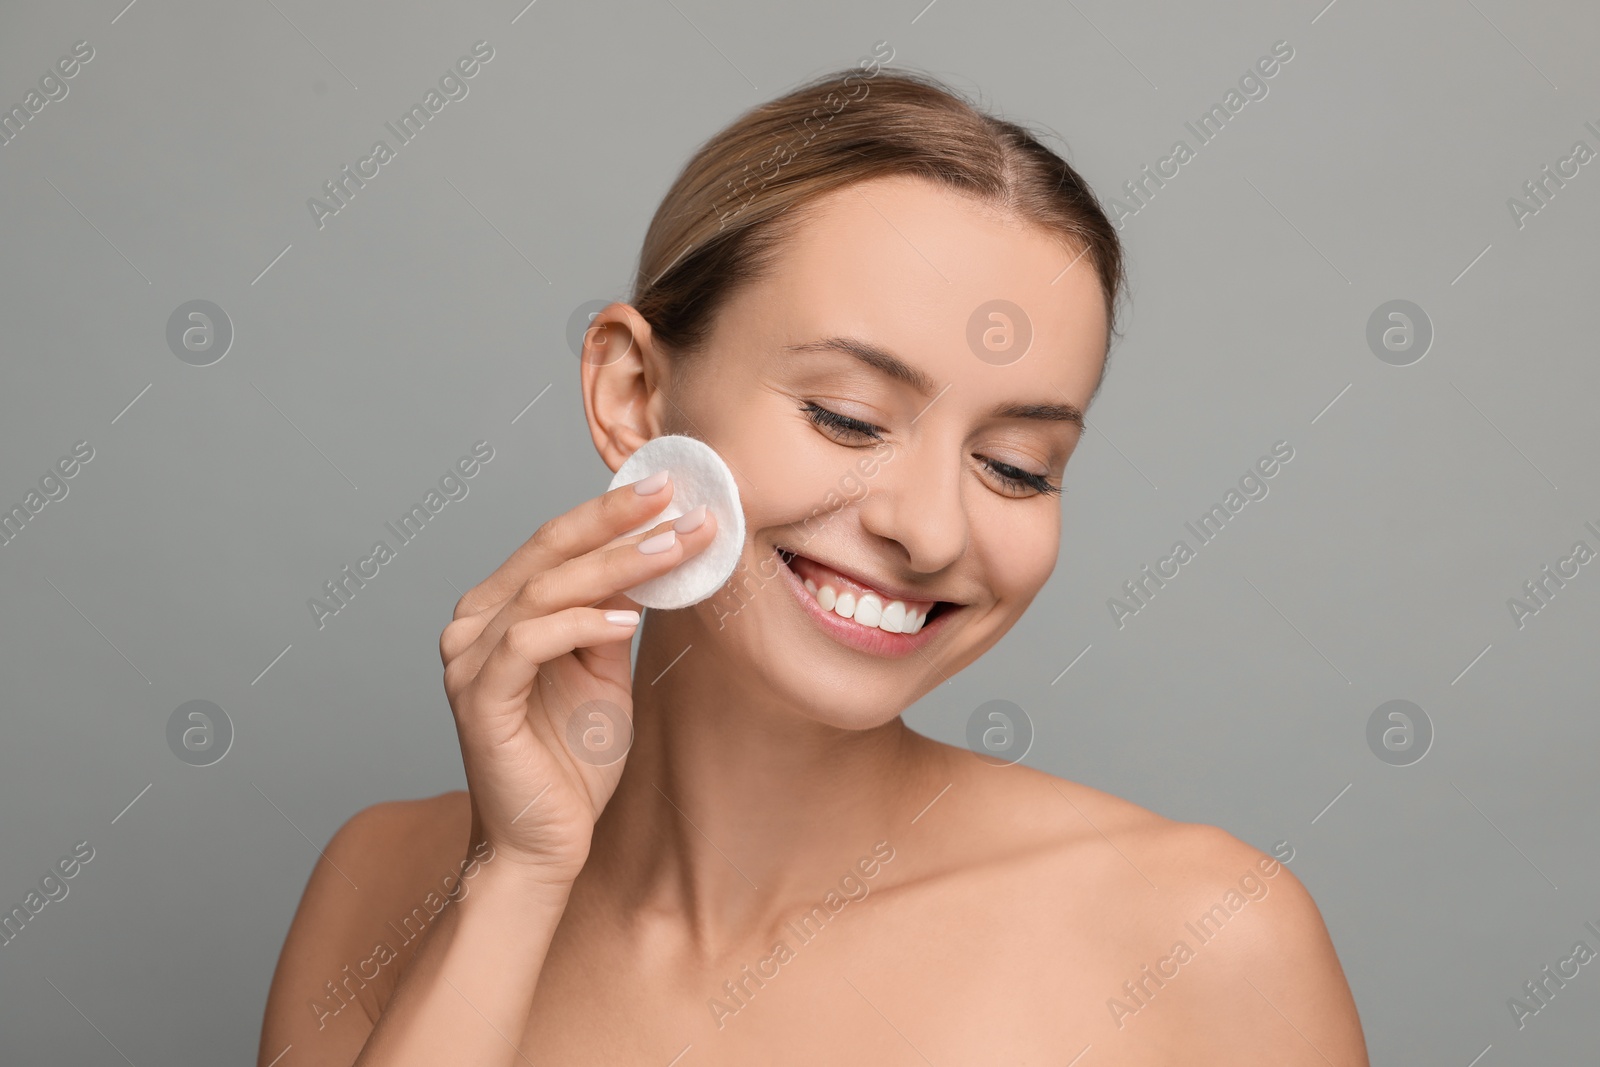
(847, 701)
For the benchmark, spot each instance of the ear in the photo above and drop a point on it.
(624, 375)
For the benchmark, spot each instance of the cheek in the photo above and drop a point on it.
(802, 501)
(790, 475)
(1019, 549)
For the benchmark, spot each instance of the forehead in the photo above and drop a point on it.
(909, 265)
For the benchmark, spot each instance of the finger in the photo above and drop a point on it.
(582, 529)
(619, 652)
(509, 672)
(487, 626)
(591, 578)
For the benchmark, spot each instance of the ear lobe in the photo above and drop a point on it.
(620, 376)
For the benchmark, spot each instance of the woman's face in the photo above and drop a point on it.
(910, 464)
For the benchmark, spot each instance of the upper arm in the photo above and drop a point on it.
(367, 902)
(1275, 975)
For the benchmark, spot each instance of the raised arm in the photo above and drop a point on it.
(545, 638)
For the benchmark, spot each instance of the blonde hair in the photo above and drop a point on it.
(742, 194)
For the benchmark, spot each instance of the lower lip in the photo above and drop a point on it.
(867, 639)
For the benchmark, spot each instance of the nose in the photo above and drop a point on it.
(916, 501)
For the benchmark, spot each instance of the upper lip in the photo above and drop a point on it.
(893, 592)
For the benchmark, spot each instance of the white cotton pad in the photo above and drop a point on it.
(699, 476)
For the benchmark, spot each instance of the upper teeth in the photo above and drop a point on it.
(895, 617)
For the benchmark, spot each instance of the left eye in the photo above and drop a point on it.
(1011, 477)
(1020, 479)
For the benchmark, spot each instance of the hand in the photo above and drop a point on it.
(529, 647)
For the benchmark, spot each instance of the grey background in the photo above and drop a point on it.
(432, 310)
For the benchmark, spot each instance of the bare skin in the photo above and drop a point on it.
(653, 910)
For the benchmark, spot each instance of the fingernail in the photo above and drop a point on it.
(653, 484)
(623, 618)
(690, 520)
(659, 543)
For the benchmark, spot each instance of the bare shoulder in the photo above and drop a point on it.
(378, 884)
(1016, 812)
(1107, 843)
(1198, 943)
(1266, 973)
(394, 838)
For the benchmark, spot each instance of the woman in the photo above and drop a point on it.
(757, 861)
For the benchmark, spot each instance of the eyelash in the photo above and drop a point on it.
(1012, 476)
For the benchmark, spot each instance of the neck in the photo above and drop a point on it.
(735, 809)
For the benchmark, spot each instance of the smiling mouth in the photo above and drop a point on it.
(861, 603)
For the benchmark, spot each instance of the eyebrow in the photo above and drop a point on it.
(886, 362)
